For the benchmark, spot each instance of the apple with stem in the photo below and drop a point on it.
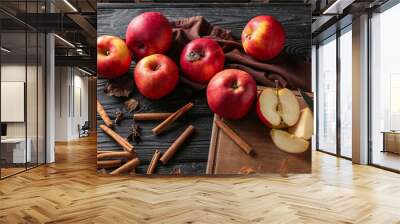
(201, 59)
(113, 57)
(231, 93)
(263, 38)
(156, 76)
(148, 33)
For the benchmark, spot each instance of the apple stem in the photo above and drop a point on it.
(235, 85)
(194, 56)
(155, 67)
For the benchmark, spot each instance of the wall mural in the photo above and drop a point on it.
(193, 89)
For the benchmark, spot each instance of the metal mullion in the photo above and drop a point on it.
(37, 90)
(338, 94)
(45, 89)
(316, 111)
(369, 78)
(26, 87)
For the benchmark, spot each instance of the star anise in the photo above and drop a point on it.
(135, 134)
(119, 116)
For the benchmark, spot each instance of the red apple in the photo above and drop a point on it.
(149, 33)
(278, 108)
(201, 59)
(156, 76)
(231, 93)
(263, 38)
(113, 57)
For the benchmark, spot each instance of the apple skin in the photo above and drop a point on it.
(156, 76)
(265, 121)
(231, 93)
(148, 33)
(263, 38)
(201, 59)
(113, 57)
(261, 117)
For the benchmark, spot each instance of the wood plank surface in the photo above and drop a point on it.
(192, 158)
(226, 157)
(295, 17)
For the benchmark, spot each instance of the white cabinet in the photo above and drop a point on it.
(17, 146)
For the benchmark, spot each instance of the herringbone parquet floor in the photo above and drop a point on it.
(70, 191)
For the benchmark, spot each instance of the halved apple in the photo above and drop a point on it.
(278, 108)
(288, 142)
(304, 128)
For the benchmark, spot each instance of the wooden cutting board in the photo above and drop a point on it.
(225, 156)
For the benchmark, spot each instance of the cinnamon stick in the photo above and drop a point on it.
(172, 118)
(235, 137)
(150, 116)
(153, 163)
(103, 114)
(284, 169)
(117, 138)
(108, 163)
(127, 167)
(175, 146)
(116, 155)
(101, 152)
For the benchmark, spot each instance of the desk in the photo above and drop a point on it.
(391, 141)
(15, 148)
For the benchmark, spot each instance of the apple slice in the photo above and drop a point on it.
(278, 108)
(304, 128)
(288, 142)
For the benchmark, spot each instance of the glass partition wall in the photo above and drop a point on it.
(326, 103)
(345, 92)
(22, 88)
(385, 89)
(334, 94)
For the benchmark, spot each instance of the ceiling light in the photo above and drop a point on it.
(70, 5)
(337, 7)
(5, 50)
(84, 71)
(64, 40)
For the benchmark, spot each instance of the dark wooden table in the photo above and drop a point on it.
(192, 157)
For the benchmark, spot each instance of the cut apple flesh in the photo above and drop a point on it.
(268, 105)
(305, 126)
(279, 108)
(288, 142)
(289, 107)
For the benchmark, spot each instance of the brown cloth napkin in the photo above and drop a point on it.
(291, 72)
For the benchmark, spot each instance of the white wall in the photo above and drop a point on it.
(34, 125)
(16, 72)
(71, 94)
